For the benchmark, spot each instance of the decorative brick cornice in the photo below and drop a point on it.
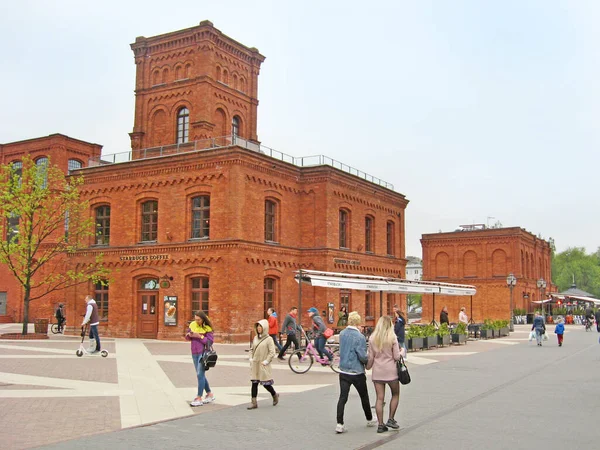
(146, 184)
(365, 202)
(229, 100)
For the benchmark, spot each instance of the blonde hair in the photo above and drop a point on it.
(383, 335)
(354, 319)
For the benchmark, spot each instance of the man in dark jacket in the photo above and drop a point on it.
(289, 328)
(60, 317)
(399, 326)
(598, 320)
(444, 316)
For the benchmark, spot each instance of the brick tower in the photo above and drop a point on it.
(194, 84)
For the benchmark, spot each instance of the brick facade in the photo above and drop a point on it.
(263, 218)
(484, 258)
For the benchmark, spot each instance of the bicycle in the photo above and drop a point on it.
(300, 361)
(588, 324)
(55, 327)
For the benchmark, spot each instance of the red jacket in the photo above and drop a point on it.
(273, 328)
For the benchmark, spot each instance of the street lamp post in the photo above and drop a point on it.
(541, 284)
(511, 282)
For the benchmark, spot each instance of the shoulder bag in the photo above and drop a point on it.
(403, 375)
(209, 357)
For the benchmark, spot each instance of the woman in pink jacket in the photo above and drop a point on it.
(383, 353)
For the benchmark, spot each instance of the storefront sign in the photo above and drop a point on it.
(143, 257)
(351, 262)
(170, 310)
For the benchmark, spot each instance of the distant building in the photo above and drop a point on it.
(414, 269)
(484, 257)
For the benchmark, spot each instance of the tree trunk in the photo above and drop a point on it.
(26, 310)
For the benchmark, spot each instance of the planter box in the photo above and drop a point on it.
(444, 340)
(415, 343)
(430, 341)
(459, 338)
(486, 334)
(504, 331)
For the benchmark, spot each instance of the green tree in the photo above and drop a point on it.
(575, 264)
(44, 221)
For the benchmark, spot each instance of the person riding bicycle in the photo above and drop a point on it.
(589, 317)
(60, 317)
(597, 315)
(319, 328)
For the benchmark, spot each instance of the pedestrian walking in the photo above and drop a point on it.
(540, 328)
(400, 328)
(384, 352)
(462, 316)
(559, 329)
(60, 317)
(273, 327)
(289, 328)
(262, 353)
(319, 328)
(91, 316)
(597, 316)
(342, 317)
(200, 334)
(353, 357)
(444, 315)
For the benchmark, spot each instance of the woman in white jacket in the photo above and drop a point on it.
(262, 353)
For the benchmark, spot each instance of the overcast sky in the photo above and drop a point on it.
(476, 111)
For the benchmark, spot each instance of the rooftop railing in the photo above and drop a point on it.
(227, 141)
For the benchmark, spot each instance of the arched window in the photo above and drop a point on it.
(442, 265)
(369, 221)
(200, 217)
(178, 72)
(156, 77)
(12, 228)
(42, 164)
(165, 75)
(235, 81)
(499, 263)
(470, 264)
(235, 126)
(199, 294)
(17, 167)
(391, 238)
(102, 225)
(242, 84)
(344, 237)
(225, 76)
(270, 295)
(218, 73)
(75, 164)
(183, 125)
(369, 305)
(101, 297)
(188, 70)
(270, 221)
(149, 221)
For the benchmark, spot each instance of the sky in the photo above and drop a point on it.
(478, 112)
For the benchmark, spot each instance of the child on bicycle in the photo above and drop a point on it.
(319, 328)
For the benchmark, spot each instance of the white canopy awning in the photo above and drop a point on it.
(374, 283)
(579, 298)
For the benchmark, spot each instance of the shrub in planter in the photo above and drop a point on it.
(431, 339)
(414, 334)
(459, 334)
(443, 333)
(487, 329)
(502, 327)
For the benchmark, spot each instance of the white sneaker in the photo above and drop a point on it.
(197, 402)
(209, 399)
(372, 423)
(340, 428)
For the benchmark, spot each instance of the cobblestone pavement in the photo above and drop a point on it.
(50, 395)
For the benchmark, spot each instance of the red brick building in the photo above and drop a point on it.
(200, 215)
(66, 153)
(484, 258)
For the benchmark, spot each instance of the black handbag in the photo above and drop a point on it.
(209, 357)
(403, 375)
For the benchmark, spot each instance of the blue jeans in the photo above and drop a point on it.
(320, 345)
(94, 335)
(200, 373)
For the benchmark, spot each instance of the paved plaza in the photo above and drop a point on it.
(502, 393)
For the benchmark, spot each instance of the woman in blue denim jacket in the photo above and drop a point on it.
(353, 357)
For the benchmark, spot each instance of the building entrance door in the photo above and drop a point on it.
(2, 303)
(147, 304)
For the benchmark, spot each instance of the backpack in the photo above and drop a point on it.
(209, 357)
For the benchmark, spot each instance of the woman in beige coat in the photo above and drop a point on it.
(261, 355)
